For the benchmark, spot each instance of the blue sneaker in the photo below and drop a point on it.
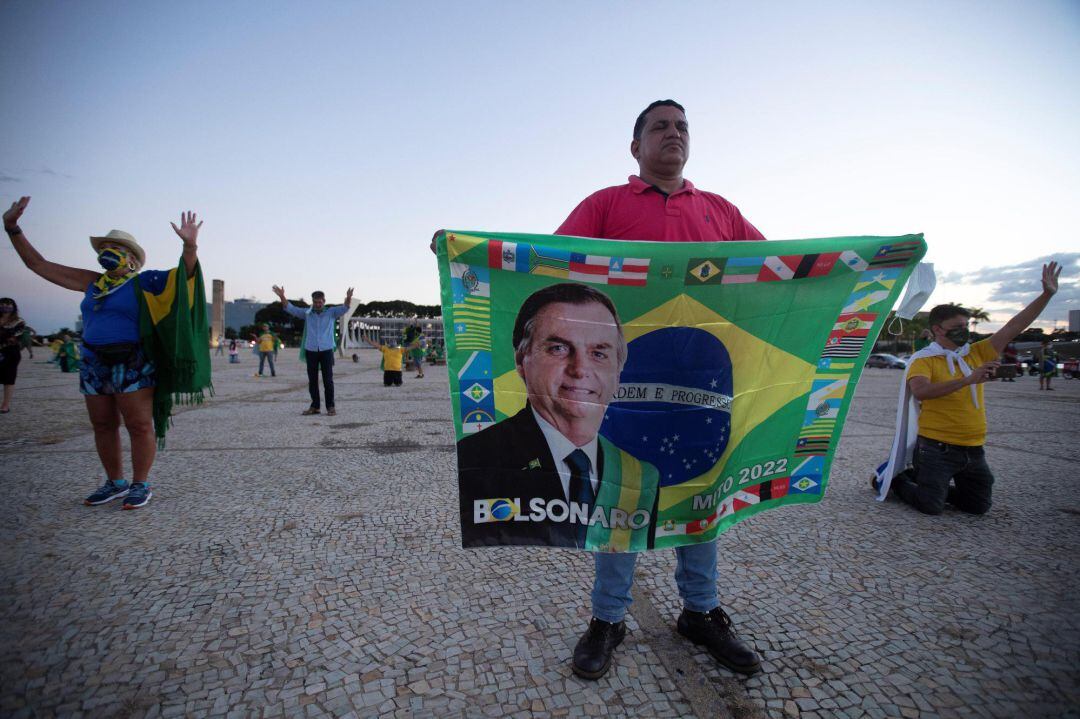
(139, 495)
(107, 493)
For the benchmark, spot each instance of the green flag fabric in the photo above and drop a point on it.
(624, 396)
(174, 333)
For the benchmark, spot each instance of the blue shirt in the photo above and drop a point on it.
(319, 327)
(115, 317)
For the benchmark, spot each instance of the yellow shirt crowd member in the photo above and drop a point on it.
(266, 342)
(954, 418)
(392, 357)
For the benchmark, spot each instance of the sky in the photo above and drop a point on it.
(323, 142)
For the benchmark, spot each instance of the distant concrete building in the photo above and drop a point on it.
(237, 313)
(1074, 320)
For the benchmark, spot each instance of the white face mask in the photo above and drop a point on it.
(920, 286)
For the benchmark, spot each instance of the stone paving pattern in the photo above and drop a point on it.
(294, 567)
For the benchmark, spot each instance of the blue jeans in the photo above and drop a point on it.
(695, 574)
(265, 356)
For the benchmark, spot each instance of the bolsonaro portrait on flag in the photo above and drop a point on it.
(545, 476)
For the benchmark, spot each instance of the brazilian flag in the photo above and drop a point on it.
(710, 380)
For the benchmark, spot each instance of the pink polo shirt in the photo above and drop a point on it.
(639, 211)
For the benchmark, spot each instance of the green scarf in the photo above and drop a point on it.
(174, 337)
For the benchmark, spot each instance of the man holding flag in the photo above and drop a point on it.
(658, 204)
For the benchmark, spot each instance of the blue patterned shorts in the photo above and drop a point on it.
(130, 376)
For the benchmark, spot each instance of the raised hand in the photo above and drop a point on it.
(348, 296)
(188, 230)
(1050, 275)
(11, 217)
(280, 292)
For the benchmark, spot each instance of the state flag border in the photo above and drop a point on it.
(840, 363)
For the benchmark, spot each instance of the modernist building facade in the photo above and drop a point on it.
(387, 330)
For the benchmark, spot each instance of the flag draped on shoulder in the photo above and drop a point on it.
(625, 396)
(174, 333)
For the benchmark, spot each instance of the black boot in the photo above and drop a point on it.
(713, 631)
(592, 655)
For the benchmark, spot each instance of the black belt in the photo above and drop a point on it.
(946, 445)
(114, 353)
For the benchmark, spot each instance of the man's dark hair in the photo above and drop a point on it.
(571, 293)
(639, 124)
(944, 313)
(318, 295)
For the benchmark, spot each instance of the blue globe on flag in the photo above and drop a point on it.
(673, 405)
(502, 510)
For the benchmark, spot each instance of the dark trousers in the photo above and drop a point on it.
(391, 377)
(936, 463)
(320, 361)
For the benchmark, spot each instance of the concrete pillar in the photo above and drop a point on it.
(217, 313)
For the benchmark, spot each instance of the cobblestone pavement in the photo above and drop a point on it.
(273, 574)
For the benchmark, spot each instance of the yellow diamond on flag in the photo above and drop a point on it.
(510, 393)
(764, 378)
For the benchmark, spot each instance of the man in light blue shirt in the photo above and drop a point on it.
(319, 343)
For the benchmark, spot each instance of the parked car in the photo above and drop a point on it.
(885, 360)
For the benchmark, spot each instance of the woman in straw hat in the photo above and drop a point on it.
(144, 343)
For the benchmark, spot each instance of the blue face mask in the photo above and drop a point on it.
(110, 258)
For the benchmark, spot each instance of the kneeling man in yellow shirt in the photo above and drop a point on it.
(947, 378)
(392, 358)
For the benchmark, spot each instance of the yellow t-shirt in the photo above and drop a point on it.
(391, 358)
(954, 418)
(266, 342)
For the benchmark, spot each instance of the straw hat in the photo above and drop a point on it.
(120, 237)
